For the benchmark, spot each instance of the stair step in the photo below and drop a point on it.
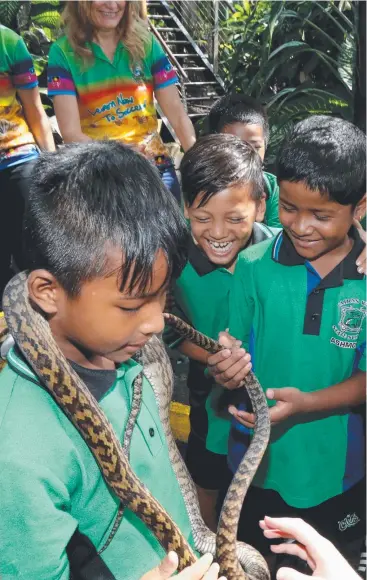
(159, 16)
(177, 42)
(208, 98)
(200, 83)
(167, 29)
(187, 55)
(185, 68)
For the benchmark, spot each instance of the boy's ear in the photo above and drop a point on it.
(44, 290)
(261, 208)
(360, 209)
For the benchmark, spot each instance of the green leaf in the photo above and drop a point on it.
(50, 19)
(40, 63)
(291, 44)
(8, 11)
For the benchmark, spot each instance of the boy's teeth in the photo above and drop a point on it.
(220, 246)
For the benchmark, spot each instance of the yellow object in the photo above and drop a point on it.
(180, 421)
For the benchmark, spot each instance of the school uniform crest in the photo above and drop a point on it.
(351, 319)
(352, 313)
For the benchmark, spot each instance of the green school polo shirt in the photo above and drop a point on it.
(201, 297)
(309, 340)
(272, 203)
(50, 484)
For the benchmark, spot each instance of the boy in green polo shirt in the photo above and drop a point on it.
(103, 239)
(224, 194)
(303, 301)
(243, 116)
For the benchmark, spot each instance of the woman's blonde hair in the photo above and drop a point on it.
(132, 29)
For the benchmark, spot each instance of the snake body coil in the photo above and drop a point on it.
(33, 336)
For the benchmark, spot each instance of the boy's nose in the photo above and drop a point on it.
(302, 226)
(154, 322)
(218, 231)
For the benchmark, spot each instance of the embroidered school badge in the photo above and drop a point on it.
(352, 313)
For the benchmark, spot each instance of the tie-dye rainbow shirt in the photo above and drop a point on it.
(114, 102)
(16, 72)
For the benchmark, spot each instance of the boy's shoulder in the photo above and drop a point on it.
(28, 415)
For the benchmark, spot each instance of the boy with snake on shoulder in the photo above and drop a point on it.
(103, 239)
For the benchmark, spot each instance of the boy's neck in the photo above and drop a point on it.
(326, 263)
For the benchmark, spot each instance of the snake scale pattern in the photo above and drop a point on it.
(33, 337)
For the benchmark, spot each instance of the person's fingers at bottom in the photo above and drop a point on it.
(272, 534)
(290, 574)
(291, 549)
(198, 570)
(165, 569)
(212, 573)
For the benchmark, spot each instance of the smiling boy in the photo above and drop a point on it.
(224, 197)
(304, 300)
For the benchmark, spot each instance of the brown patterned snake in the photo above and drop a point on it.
(33, 337)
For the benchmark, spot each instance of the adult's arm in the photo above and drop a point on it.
(36, 118)
(68, 119)
(172, 107)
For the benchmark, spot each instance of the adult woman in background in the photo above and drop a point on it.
(103, 76)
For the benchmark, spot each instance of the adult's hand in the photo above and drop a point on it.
(322, 557)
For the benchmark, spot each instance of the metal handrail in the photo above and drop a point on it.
(168, 51)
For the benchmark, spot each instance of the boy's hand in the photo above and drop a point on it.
(362, 259)
(322, 557)
(289, 401)
(230, 366)
(203, 569)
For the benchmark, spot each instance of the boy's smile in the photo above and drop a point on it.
(316, 224)
(223, 225)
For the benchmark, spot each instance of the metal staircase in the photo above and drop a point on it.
(199, 85)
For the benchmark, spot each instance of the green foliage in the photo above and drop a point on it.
(8, 12)
(298, 58)
(38, 22)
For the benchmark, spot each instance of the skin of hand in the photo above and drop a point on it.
(203, 569)
(229, 366)
(289, 401)
(36, 118)
(170, 102)
(322, 557)
(362, 259)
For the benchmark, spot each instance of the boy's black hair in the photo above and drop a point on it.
(328, 154)
(217, 162)
(238, 108)
(88, 197)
